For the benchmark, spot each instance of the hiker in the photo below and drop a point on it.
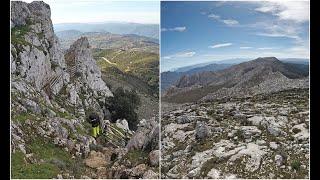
(94, 120)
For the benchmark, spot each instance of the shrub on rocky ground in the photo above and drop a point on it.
(296, 165)
(123, 106)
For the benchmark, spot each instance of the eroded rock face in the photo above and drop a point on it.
(89, 72)
(36, 53)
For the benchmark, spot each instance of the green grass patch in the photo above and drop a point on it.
(54, 160)
(18, 33)
(22, 117)
(136, 157)
(48, 151)
(63, 114)
(22, 170)
(296, 165)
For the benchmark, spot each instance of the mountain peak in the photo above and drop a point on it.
(267, 59)
(81, 43)
(22, 13)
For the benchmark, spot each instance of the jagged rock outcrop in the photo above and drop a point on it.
(87, 89)
(36, 54)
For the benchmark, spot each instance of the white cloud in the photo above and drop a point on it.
(213, 16)
(245, 47)
(228, 22)
(289, 16)
(265, 48)
(265, 9)
(187, 54)
(279, 29)
(220, 45)
(274, 34)
(297, 11)
(178, 29)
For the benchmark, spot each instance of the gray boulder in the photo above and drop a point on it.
(183, 119)
(202, 130)
(146, 137)
(154, 157)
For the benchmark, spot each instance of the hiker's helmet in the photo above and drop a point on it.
(93, 117)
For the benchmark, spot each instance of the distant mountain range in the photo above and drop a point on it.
(168, 78)
(107, 40)
(148, 30)
(262, 75)
(296, 60)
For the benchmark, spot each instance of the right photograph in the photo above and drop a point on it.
(234, 90)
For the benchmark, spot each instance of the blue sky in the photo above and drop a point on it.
(91, 11)
(197, 32)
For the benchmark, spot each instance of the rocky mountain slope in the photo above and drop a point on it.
(262, 136)
(52, 92)
(106, 40)
(263, 75)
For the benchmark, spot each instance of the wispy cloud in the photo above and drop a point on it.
(266, 48)
(277, 29)
(245, 47)
(228, 22)
(178, 29)
(297, 11)
(288, 21)
(187, 54)
(220, 45)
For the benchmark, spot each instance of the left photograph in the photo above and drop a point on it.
(84, 89)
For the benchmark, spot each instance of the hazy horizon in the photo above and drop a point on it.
(220, 60)
(104, 22)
